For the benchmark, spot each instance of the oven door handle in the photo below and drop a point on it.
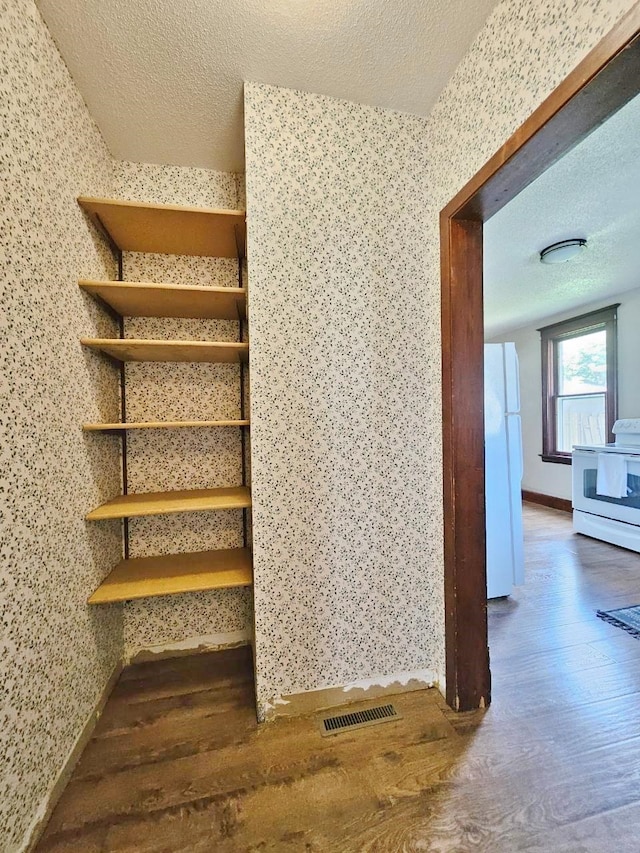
(581, 453)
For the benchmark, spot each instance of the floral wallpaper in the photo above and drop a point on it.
(344, 393)
(57, 654)
(178, 185)
(343, 204)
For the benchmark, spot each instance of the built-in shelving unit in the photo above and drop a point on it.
(147, 299)
(118, 427)
(169, 229)
(130, 349)
(178, 573)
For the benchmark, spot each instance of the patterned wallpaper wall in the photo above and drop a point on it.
(344, 405)
(343, 204)
(178, 185)
(56, 653)
(183, 459)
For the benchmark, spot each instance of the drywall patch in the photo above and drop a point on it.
(311, 701)
(424, 677)
(194, 645)
(269, 710)
(442, 684)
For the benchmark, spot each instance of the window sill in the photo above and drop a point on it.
(562, 459)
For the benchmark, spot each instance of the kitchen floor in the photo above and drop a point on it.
(178, 763)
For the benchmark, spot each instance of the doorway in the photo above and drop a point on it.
(601, 84)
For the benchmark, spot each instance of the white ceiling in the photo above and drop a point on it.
(594, 193)
(163, 78)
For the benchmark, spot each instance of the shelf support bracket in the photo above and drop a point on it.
(243, 429)
(123, 414)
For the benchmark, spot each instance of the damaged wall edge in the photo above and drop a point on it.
(193, 645)
(311, 701)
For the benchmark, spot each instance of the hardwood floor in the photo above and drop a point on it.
(179, 764)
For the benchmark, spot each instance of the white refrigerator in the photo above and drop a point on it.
(503, 469)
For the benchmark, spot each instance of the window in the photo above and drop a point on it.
(579, 383)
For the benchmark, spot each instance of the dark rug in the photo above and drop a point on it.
(627, 618)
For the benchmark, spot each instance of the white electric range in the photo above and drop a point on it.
(615, 520)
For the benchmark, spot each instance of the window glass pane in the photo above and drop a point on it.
(581, 420)
(582, 364)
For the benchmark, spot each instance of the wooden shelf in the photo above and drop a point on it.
(136, 226)
(167, 503)
(146, 299)
(120, 427)
(144, 577)
(130, 349)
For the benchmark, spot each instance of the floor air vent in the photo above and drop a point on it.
(358, 720)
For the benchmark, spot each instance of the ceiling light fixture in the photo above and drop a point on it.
(558, 253)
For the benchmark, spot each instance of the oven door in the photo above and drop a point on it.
(584, 468)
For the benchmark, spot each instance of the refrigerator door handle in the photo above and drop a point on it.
(517, 433)
(511, 368)
(517, 383)
(516, 456)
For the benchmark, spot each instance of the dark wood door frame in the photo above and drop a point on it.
(602, 83)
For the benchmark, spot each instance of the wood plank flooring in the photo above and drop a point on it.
(178, 763)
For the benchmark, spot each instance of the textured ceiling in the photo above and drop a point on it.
(163, 78)
(593, 192)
